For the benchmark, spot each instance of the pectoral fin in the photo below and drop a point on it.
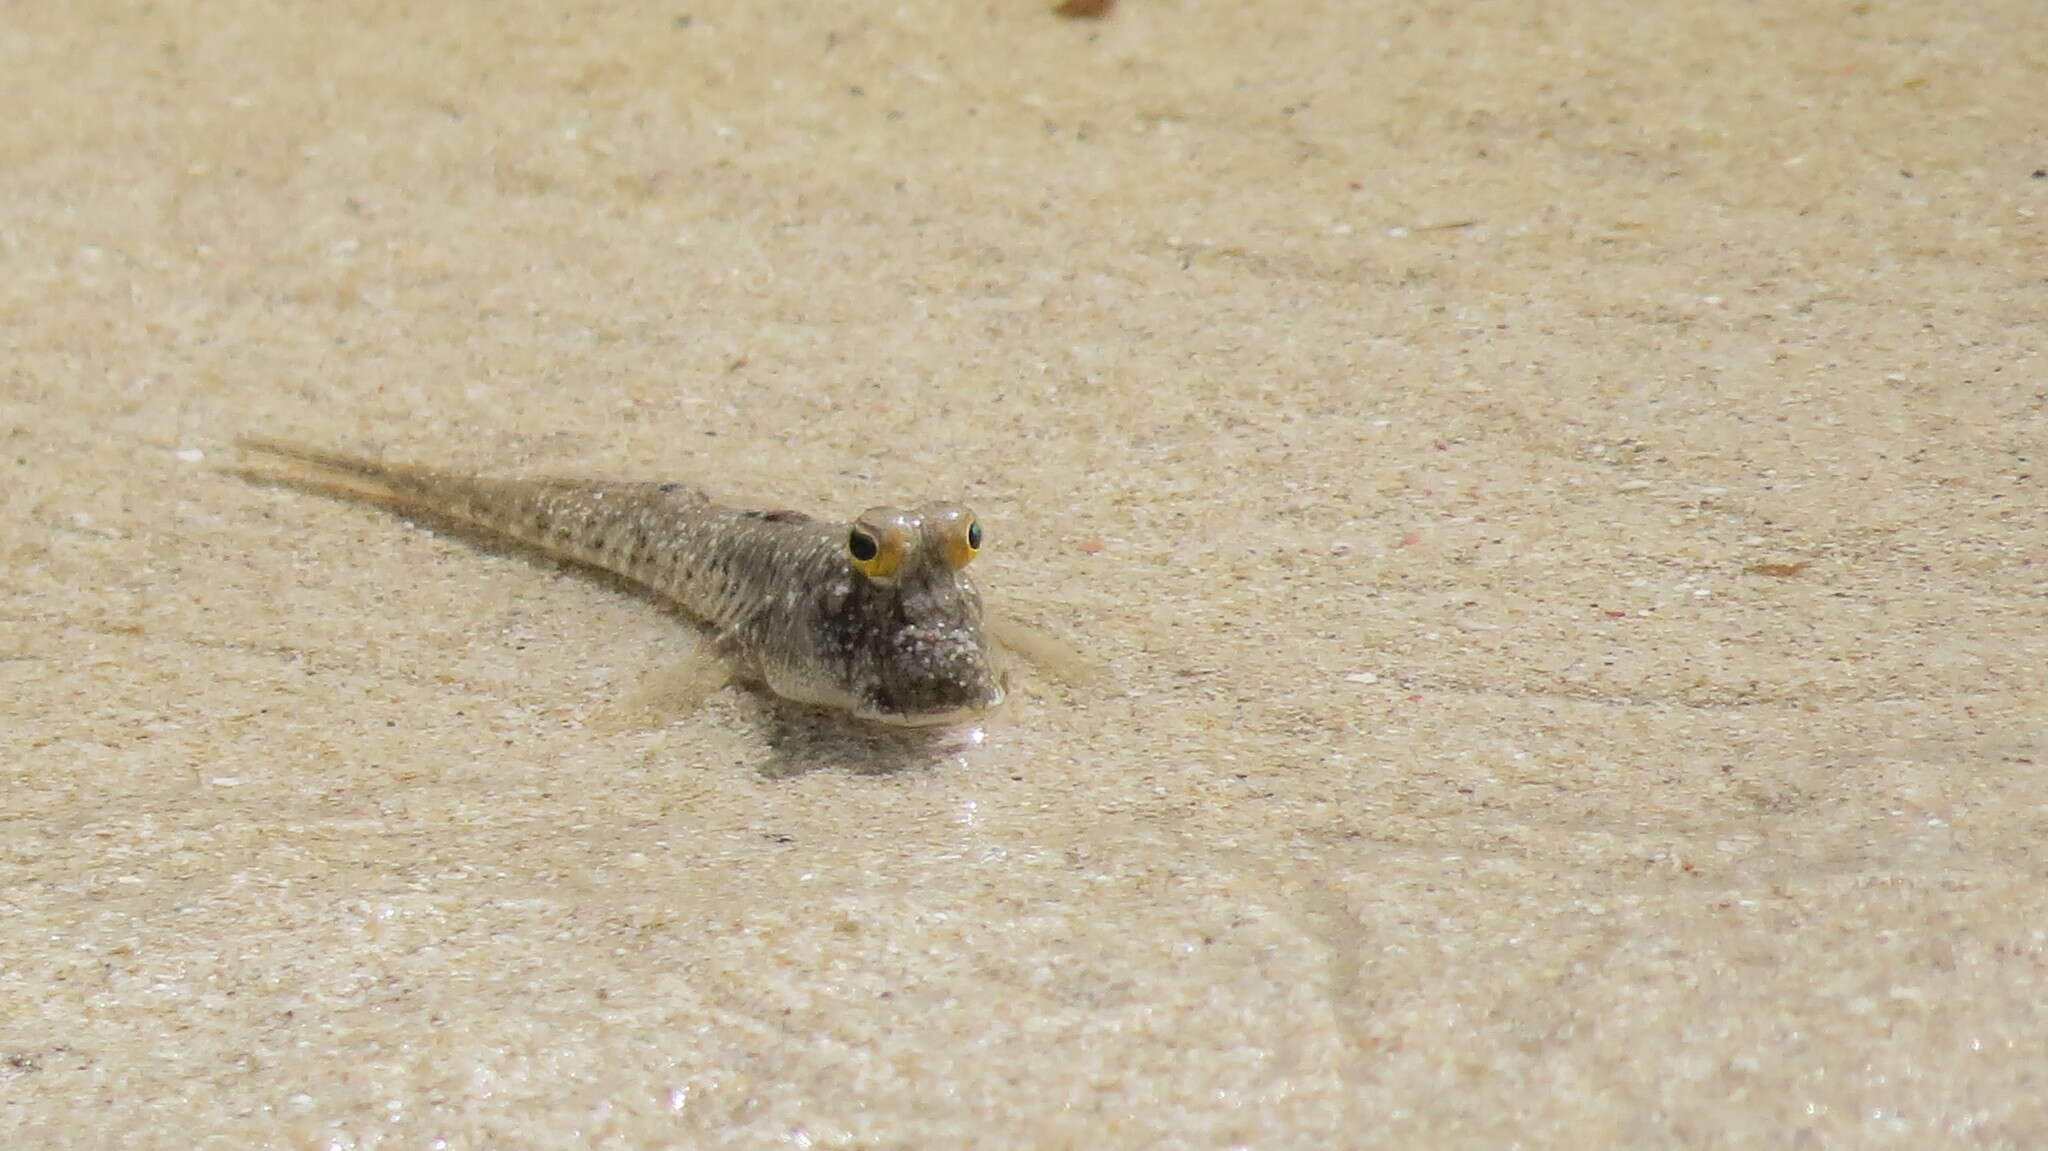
(1045, 651)
(668, 693)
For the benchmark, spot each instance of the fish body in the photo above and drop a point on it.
(876, 617)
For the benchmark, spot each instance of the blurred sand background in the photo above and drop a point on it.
(1555, 489)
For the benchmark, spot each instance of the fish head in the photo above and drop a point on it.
(926, 654)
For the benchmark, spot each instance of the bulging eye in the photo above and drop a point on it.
(963, 540)
(875, 553)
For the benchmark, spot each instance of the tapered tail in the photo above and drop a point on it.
(633, 529)
(338, 472)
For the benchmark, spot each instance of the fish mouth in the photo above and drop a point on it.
(940, 717)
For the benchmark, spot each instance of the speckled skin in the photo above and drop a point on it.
(778, 588)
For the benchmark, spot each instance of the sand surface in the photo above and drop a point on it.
(1554, 491)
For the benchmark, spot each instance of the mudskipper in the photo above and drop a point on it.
(876, 617)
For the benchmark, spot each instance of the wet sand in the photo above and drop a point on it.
(1554, 491)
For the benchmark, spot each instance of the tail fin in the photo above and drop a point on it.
(334, 472)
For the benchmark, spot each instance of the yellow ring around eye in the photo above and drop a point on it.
(963, 541)
(875, 555)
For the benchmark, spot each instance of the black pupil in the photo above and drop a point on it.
(862, 546)
(974, 535)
